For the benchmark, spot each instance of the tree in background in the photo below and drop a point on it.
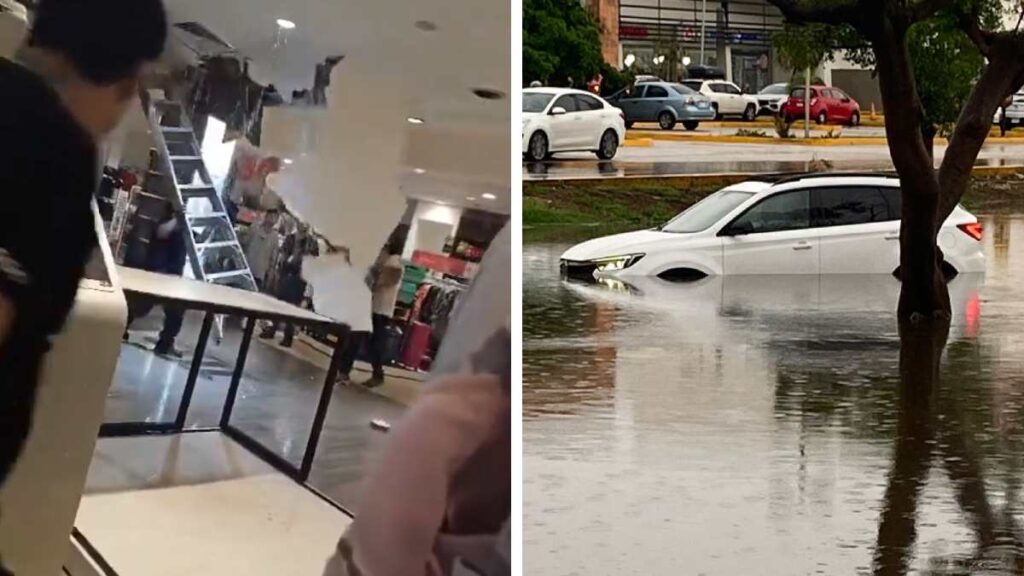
(929, 196)
(560, 41)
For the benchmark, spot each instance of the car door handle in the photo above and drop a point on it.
(892, 236)
(802, 246)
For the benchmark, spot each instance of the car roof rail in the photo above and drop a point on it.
(812, 175)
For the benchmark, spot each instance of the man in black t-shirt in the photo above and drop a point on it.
(68, 87)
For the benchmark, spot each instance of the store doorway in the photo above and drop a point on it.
(750, 71)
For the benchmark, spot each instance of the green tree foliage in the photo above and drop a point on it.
(560, 41)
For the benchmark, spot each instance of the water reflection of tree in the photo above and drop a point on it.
(952, 415)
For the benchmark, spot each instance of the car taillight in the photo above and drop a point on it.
(974, 230)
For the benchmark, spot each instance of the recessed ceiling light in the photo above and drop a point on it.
(286, 24)
(419, 170)
(426, 25)
(288, 161)
(414, 120)
(488, 196)
(488, 93)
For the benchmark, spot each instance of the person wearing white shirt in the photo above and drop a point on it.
(386, 279)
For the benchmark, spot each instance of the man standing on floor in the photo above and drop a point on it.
(69, 87)
(166, 255)
(386, 279)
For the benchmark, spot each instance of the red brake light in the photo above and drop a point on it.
(974, 230)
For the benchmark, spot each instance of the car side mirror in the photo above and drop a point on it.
(557, 111)
(740, 229)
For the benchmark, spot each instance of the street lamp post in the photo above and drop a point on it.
(703, 27)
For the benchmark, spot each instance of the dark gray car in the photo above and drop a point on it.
(665, 103)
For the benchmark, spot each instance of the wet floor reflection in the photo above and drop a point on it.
(784, 423)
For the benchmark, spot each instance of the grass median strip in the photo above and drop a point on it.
(640, 203)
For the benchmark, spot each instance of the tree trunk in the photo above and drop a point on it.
(928, 133)
(924, 285)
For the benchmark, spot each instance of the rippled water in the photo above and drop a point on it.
(762, 426)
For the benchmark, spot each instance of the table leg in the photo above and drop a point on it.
(321, 409)
(236, 377)
(193, 372)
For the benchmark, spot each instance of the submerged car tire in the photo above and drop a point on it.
(822, 118)
(666, 121)
(749, 113)
(691, 125)
(855, 119)
(538, 147)
(608, 146)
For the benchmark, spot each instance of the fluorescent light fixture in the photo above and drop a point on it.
(488, 196)
(288, 161)
(471, 198)
(414, 120)
(286, 24)
(419, 170)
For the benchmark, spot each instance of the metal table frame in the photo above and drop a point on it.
(298, 473)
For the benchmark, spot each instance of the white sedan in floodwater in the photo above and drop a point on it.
(810, 224)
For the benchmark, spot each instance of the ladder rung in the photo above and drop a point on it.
(224, 244)
(233, 273)
(188, 187)
(185, 158)
(175, 129)
(210, 216)
(169, 103)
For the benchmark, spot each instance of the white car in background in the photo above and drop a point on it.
(771, 98)
(567, 120)
(726, 98)
(810, 224)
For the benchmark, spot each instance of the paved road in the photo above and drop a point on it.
(669, 158)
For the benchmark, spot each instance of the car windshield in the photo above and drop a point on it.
(705, 213)
(774, 90)
(683, 90)
(536, 101)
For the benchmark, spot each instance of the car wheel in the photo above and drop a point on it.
(855, 119)
(714, 106)
(629, 124)
(749, 113)
(822, 118)
(538, 148)
(609, 145)
(666, 121)
(691, 125)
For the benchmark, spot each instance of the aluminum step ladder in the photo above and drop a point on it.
(214, 253)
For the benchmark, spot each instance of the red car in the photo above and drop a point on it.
(829, 105)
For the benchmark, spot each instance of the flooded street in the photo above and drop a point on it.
(772, 425)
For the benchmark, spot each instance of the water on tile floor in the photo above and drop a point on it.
(761, 425)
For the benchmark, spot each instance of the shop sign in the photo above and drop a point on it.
(440, 263)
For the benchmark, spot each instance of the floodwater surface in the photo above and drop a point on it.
(772, 425)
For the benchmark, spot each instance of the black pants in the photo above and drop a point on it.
(376, 341)
(174, 317)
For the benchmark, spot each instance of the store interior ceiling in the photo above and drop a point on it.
(442, 52)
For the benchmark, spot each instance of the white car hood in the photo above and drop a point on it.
(615, 245)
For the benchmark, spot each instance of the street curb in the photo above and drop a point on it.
(820, 141)
(638, 142)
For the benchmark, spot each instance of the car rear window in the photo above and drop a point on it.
(683, 90)
(799, 93)
(694, 85)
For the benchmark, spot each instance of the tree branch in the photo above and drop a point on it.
(927, 8)
(1003, 75)
(982, 39)
(831, 12)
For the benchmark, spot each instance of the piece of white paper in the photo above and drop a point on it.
(339, 290)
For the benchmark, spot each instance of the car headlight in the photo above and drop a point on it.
(616, 263)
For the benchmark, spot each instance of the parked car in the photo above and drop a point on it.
(726, 98)
(810, 224)
(829, 105)
(1014, 112)
(665, 103)
(641, 78)
(565, 120)
(771, 98)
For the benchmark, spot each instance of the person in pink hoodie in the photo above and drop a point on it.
(439, 500)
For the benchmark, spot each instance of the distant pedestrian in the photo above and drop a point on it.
(594, 86)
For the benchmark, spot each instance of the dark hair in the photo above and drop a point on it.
(106, 40)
